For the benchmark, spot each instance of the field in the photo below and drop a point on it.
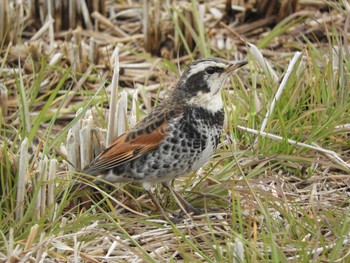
(276, 190)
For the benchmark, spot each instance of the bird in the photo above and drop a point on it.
(177, 137)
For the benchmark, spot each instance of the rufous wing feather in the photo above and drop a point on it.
(126, 148)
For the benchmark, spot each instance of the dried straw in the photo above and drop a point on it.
(21, 181)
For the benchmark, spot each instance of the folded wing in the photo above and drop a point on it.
(127, 147)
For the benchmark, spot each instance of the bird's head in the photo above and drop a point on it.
(201, 82)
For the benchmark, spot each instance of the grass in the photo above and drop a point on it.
(266, 200)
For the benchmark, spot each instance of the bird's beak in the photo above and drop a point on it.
(235, 65)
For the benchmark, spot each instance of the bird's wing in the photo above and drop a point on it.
(145, 137)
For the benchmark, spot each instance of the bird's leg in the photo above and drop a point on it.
(184, 205)
(147, 187)
(156, 203)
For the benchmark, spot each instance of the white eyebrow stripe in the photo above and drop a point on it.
(201, 66)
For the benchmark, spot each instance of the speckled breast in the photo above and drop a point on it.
(193, 139)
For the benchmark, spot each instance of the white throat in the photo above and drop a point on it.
(208, 101)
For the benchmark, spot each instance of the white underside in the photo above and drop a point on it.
(205, 155)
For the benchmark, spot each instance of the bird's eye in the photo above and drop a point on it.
(210, 70)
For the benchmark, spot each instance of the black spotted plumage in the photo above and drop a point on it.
(176, 137)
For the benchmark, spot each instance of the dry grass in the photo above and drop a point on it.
(266, 200)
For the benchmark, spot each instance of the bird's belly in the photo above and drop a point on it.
(206, 154)
(166, 163)
(186, 150)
